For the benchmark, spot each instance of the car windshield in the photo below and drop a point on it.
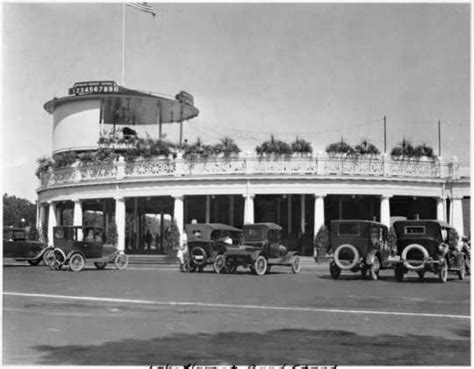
(226, 236)
(254, 234)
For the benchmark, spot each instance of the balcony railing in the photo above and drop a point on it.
(258, 166)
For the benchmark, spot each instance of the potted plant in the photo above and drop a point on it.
(340, 148)
(227, 147)
(273, 146)
(365, 148)
(424, 151)
(44, 165)
(321, 242)
(301, 146)
(403, 150)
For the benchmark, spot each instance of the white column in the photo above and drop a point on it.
(77, 217)
(385, 210)
(120, 222)
(41, 217)
(208, 208)
(136, 223)
(51, 221)
(249, 209)
(457, 220)
(303, 214)
(318, 212)
(441, 209)
(289, 215)
(178, 214)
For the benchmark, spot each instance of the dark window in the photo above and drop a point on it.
(348, 229)
(414, 230)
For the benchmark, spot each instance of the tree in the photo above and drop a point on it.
(321, 241)
(33, 234)
(15, 209)
(172, 237)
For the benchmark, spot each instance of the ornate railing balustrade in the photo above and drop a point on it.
(257, 166)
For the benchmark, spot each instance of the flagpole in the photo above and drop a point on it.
(123, 43)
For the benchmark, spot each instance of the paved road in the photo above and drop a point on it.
(156, 315)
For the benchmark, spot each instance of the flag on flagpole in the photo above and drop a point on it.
(142, 6)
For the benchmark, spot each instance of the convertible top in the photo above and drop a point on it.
(205, 230)
(267, 225)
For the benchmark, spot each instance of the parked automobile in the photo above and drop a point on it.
(74, 245)
(18, 247)
(359, 245)
(424, 246)
(206, 241)
(261, 249)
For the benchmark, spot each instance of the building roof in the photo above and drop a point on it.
(146, 108)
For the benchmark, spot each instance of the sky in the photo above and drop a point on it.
(310, 70)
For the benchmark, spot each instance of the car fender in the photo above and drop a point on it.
(68, 256)
(255, 254)
(46, 249)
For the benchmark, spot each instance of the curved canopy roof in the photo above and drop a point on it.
(140, 107)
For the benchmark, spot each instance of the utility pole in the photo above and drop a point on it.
(439, 138)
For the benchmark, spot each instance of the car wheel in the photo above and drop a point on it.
(100, 266)
(295, 264)
(230, 266)
(49, 259)
(260, 265)
(76, 262)
(341, 254)
(443, 272)
(334, 270)
(375, 269)
(219, 264)
(198, 256)
(121, 261)
(399, 272)
(185, 267)
(34, 262)
(46, 255)
(421, 275)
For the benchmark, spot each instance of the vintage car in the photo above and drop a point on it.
(18, 247)
(74, 245)
(359, 245)
(423, 246)
(261, 249)
(206, 241)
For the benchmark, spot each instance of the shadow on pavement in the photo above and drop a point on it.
(292, 346)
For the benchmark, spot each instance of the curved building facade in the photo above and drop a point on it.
(299, 192)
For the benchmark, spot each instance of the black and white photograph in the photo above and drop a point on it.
(236, 185)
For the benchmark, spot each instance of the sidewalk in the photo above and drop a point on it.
(171, 260)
